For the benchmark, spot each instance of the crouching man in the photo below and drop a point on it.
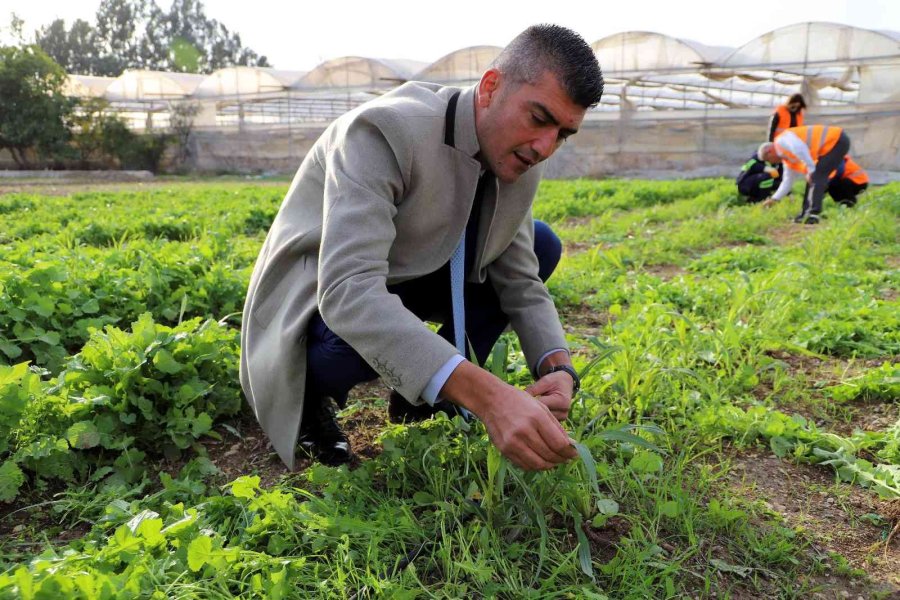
(415, 206)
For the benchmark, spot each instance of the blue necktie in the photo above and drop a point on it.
(462, 261)
(457, 281)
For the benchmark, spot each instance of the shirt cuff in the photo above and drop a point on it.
(437, 381)
(540, 361)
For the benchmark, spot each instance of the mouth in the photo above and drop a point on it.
(528, 163)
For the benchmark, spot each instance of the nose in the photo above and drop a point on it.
(545, 144)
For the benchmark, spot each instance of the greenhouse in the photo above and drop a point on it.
(710, 104)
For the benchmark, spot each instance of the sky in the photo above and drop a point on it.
(300, 35)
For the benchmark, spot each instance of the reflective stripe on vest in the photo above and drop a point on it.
(790, 158)
(820, 139)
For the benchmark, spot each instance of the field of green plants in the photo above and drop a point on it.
(738, 427)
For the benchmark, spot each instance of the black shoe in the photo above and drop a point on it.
(320, 435)
(401, 411)
(807, 219)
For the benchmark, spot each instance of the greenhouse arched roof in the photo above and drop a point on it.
(152, 85)
(87, 86)
(359, 72)
(247, 81)
(462, 65)
(648, 51)
(814, 42)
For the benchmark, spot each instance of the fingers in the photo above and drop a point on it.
(557, 404)
(542, 445)
(541, 386)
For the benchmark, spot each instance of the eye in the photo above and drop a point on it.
(537, 119)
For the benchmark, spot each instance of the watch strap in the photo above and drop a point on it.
(576, 380)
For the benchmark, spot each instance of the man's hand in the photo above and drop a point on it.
(768, 203)
(522, 427)
(555, 392)
(525, 431)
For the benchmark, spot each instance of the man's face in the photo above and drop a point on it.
(794, 107)
(771, 156)
(521, 124)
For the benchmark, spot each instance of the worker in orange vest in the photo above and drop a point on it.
(847, 182)
(786, 116)
(814, 151)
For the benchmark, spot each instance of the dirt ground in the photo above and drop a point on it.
(836, 517)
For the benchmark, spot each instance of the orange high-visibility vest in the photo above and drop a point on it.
(784, 119)
(854, 172)
(820, 139)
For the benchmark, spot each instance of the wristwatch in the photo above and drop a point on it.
(576, 380)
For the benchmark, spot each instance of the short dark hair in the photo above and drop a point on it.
(558, 50)
(798, 98)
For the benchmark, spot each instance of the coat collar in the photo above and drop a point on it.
(466, 138)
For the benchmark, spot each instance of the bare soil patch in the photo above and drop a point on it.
(817, 374)
(836, 517)
(584, 321)
(787, 235)
(664, 272)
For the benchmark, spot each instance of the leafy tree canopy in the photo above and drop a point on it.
(33, 111)
(138, 34)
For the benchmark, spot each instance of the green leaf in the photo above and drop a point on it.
(165, 362)
(135, 522)
(608, 506)
(199, 552)
(50, 338)
(10, 350)
(11, 479)
(90, 307)
(245, 486)
(619, 434)
(781, 446)
(668, 508)
(202, 424)
(423, 498)
(584, 549)
(646, 462)
(499, 357)
(724, 567)
(590, 466)
(83, 435)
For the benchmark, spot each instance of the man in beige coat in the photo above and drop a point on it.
(357, 256)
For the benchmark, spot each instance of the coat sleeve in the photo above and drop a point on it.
(366, 173)
(524, 297)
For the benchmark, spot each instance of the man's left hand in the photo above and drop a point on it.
(555, 392)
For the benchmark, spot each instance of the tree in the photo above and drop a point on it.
(137, 34)
(33, 110)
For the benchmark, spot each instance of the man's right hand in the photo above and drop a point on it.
(521, 427)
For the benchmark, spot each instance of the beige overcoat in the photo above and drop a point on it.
(380, 199)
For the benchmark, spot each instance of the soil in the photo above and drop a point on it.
(787, 235)
(836, 517)
(665, 272)
(817, 407)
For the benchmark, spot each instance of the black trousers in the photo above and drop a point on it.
(828, 162)
(757, 187)
(845, 191)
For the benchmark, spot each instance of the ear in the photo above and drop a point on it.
(488, 87)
